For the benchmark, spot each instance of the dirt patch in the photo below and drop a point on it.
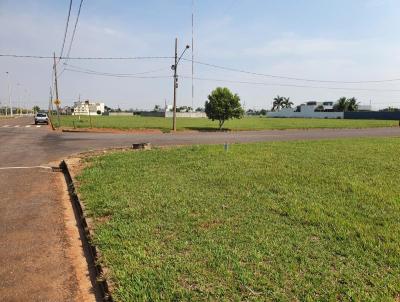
(34, 260)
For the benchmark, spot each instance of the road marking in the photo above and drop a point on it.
(16, 126)
(27, 126)
(32, 167)
(38, 126)
(5, 126)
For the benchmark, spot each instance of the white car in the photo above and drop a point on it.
(41, 118)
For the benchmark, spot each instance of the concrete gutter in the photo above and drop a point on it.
(85, 224)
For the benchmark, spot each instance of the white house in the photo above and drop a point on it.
(87, 107)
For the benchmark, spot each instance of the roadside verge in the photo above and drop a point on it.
(93, 255)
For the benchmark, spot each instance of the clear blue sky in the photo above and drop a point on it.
(321, 39)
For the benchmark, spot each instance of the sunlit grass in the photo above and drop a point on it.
(248, 123)
(284, 221)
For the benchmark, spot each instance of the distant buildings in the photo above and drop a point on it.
(87, 107)
(313, 110)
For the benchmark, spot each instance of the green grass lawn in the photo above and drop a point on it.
(284, 221)
(248, 123)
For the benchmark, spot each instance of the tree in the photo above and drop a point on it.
(341, 105)
(157, 108)
(278, 103)
(319, 108)
(199, 109)
(36, 108)
(286, 103)
(263, 112)
(223, 105)
(352, 104)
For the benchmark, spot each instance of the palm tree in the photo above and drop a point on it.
(352, 104)
(278, 103)
(341, 104)
(287, 103)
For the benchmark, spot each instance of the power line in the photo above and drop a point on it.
(87, 58)
(74, 31)
(119, 75)
(66, 28)
(289, 78)
(292, 85)
(205, 64)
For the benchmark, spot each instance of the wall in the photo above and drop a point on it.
(170, 114)
(152, 113)
(373, 115)
(120, 113)
(187, 114)
(306, 114)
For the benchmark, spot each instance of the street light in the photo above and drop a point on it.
(175, 69)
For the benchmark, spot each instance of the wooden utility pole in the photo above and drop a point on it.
(56, 87)
(50, 103)
(175, 84)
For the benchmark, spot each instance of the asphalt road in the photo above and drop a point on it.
(33, 243)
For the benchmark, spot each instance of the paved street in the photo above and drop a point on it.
(34, 262)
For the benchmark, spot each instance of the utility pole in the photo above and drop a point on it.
(192, 54)
(175, 69)
(56, 87)
(9, 95)
(175, 85)
(50, 111)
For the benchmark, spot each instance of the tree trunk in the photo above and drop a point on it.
(221, 122)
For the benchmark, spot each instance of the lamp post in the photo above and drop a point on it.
(175, 69)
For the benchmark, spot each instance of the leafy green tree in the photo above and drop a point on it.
(319, 108)
(263, 112)
(36, 108)
(223, 105)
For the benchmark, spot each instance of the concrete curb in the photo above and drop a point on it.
(109, 130)
(101, 281)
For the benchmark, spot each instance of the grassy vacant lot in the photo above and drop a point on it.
(249, 123)
(287, 221)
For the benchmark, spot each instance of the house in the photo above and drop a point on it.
(87, 107)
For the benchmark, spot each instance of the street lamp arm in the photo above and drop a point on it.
(186, 48)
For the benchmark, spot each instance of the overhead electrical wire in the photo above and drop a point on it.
(289, 78)
(87, 58)
(66, 29)
(291, 85)
(119, 75)
(74, 31)
(209, 65)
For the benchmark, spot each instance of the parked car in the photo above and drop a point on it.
(41, 117)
